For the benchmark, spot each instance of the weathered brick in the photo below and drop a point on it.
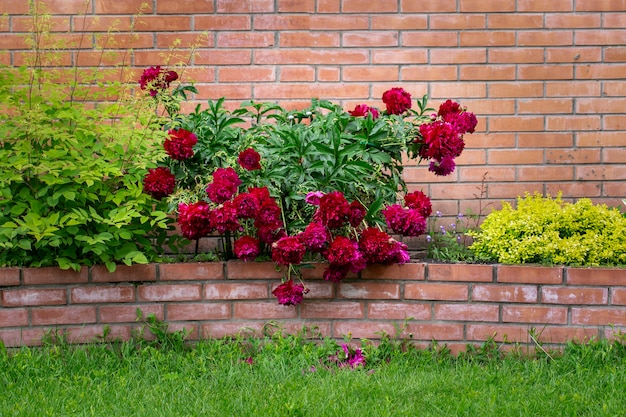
(95, 332)
(332, 310)
(252, 270)
(505, 293)
(128, 313)
(50, 275)
(63, 315)
(534, 314)
(498, 332)
(434, 331)
(368, 290)
(573, 295)
(13, 317)
(460, 272)
(236, 291)
(173, 292)
(529, 274)
(596, 276)
(466, 312)
(123, 273)
(408, 271)
(9, 277)
(102, 294)
(33, 297)
(191, 271)
(398, 311)
(261, 310)
(198, 311)
(432, 291)
(598, 316)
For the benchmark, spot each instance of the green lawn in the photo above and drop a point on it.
(213, 378)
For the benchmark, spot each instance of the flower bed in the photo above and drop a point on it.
(452, 304)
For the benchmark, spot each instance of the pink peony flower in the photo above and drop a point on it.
(195, 219)
(179, 145)
(315, 237)
(354, 357)
(334, 210)
(362, 110)
(444, 167)
(155, 79)
(417, 200)
(451, 112)
(249, 159)
(314, 197)
(159, 182)
(261, 193)
(288, 250)
(246, 248)
(289, 293)
(397, 100)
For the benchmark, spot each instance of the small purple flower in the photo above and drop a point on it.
(428, 238)
(442, 229)
(460, 216)
(438, 213)
(458, 238)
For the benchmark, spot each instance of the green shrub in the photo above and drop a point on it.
(550, 231)
(71, 172)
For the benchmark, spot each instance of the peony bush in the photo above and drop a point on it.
(297, 186)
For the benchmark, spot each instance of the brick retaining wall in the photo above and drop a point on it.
(453, 304)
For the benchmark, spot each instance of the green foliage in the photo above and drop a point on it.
(71, 173)
(320, 148)
(550, 231)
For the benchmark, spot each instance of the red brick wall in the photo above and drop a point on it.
(451, 304)
(546, 78)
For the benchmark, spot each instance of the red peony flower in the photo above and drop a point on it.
(179, 145)
(378, 247)
(334, 210)
(397, 100)
(357, 213)
(463, 122)
(248, 205)
(315, 237)
(440, 140)
(221, 191)
(261, 193)
(269, 216)
(159, 182)
(443, 167)
(448, 108)
(345, 252)
(289, 293)
(415, 223)
(225, 217)
(249, 159)
(362, 110)
(269, 235)
(288, 250)
(335, 273)
(155, 79)
(417, 200)
(396, 217)
(224, 186)
(195, 219)
(246, 248)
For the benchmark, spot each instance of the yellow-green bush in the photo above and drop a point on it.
(549, 231)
